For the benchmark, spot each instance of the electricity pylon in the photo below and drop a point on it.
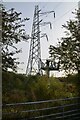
(34, 61)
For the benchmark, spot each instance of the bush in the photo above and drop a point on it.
(19, 88)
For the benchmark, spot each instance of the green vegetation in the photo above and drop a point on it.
(68, 48)
(13, 32)
(19, 88)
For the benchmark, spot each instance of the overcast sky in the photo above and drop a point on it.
(63, 11)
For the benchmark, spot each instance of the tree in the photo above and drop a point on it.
(68, 50)
(12, 32)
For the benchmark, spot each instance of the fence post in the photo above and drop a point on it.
(63, 111)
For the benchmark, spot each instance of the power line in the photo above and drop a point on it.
(61, 17)
(65, 13)
(56, 6)
(53, 8)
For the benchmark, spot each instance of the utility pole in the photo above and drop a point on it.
(34, 61)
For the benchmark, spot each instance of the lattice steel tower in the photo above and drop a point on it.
(34, 61)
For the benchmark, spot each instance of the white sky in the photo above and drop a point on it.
(63, 13)
(40, 0)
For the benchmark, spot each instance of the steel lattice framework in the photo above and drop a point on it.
(34, 61)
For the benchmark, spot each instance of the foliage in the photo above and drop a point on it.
(68, 50)
(19, 88)
(12, 32)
